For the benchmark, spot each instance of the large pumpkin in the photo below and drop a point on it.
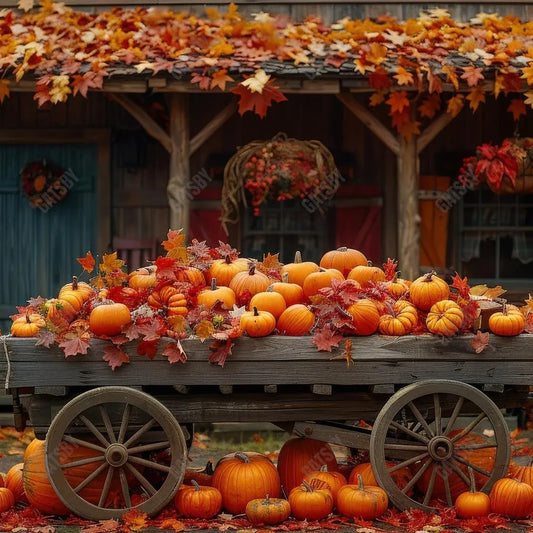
(109, 319)
(13, 481)
(251, 281)
(343, 259)
(224, 270)
(512, 498)
(299, 457)
(241, 477)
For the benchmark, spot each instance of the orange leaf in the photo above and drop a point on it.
(404, 77)
(451, 75)
(527, 74)
(377, 98)
(397, 101)
(377, 53)
(408, 129)
(517, 108)
(498, 85)
(204, 329)
(429, 107)
(472, 75)
(255, 101)
(110, 263)
(135, 519)
(87, 262)
(480, 341)
(175, 245)
(220, 78)
(455, 105)
(476, 96)
(172, 523)
(4, 90)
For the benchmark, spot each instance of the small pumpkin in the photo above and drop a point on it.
(244, 476)
(190, 275)
(209, 297)
(401, 477)
(523, 473)
(512, 498)
(343, 259)
(224, 270)
(198, 501)
(296, 320)
(359, 501)
(7, 499)
(508, 322)
(428, 290)
(27, 325)
(143, 278)
(365, 316)
(444, 318)
(58, 311)
(472, 503)
(76, 293)
(13, 481)
(109, 319)
(320, 280)
(169, 299)
(310, 503)
(400, 320)
(396, 287)
(334, 480)
(298, 270)
(268, 510)
(366, 274)
(292, 292)
(270, 301)
(258, 323)
(250, 280)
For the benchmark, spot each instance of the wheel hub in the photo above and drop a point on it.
(440, 448)
(116, 454)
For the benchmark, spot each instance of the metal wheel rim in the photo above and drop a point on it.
(431, 388)
(115, 395)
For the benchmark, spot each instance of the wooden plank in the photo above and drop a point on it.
(431, 131)
(212, 126)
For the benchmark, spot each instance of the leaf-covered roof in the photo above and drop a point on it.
(69, 51)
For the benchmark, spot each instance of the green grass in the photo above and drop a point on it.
(261, 442)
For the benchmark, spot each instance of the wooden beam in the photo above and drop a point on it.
(432, 131)
(145, 120)
(367, 118)
(179, 168)
(213, 125)
(408, 216)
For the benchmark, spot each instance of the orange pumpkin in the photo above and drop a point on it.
(32, 446)
(472, 503)
(298, 457)
(366, 274)
(292, 292)
(251, 280)
(268, 510)
(76, 293)
(258, 323)
(109, 319)
(401, 320)
(522, 472)
(360, 501)
(270, 301)
(365, 316)
(202, 476)
(512, 498)
(396, 287)
(401, 477)
(190, 275)
(444, 318)
(13, 481)
(7, 499)
(296, 320)
(428, 290)
(508, 322)
(319, 280)
(58, 311)
(224, 295)
(224, 270)
(197, 501)
(143, 278)
(27, 325)
(343, 259)
(334, 480)
(169, 299)
(298, 270)
(310, 503)
(244, 476)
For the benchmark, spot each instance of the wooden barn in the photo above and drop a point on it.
(145, 151)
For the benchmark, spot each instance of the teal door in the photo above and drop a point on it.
(39, 246)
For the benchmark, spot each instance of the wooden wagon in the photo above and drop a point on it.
(423, 396)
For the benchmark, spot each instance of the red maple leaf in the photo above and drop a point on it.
(379, 79)
(202, 80)
(220, 350)
(149, 328)
(148, 348)
(258, 102)
(87, 262)
(225, 250)
(390, 269)
(480, 341)
(199, 251)
(461, 284)
(74, 343)
(45, 338)
(325, 339)
(175, 352)
(165, 268)
(125, 295)
(115, 356)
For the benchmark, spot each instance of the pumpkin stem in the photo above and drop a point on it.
(297, 257)
(214, 284)
(251, 270)
(428, 277)
(195, 484)
(270, 289)
(285, 277)
(256, 312)
(360, 480)
(209, 468)
(243, 457)
(324, 468)
(307, 487)
(28, 321)
(227, 259)
(472, 480)
(74, 283)
(342, 249)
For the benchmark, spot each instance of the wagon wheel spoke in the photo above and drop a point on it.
(470, 427)
(417, 476)
(124, 422)
(438, 414)
(139, 433)
(473, 466)
(94, 430)
(447, 489)
(405, 447)
(91, 477)
(149, 464)
(82, 462)
(407, 462)
(420, 418)
(125, 487)
(455, 414)
(87, 444)
(475, 446)
(141, 479)
(460, 473)
(149, 447)
(431, 485)
(106, 487)
(107, 423)
(410, 432)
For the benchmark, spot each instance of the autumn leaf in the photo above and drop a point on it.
(517, 107)
(404, 77)
(527, 74)
(325, 339)
(177, 324)
(103, 526)
(175, 245)
(87, 262)
(45, 338)
(430, 105)
(270, 264)
(529, 98)
(172, 524)
(258, 102)
(379, 79)
(487, 292)
(166, 268)
(202, 79)
(135, 520)
(220, 351)
(398, 101)
(110, 262)
(451, 75)
(408, 129)
(175, 352)
(148, 348)
(476, 96)
(377, 98)
(204, 329)
(74, 343)
(461, 284)
(257, 82)
(115, 356)
(480, 341)
(4, 90)
(346, 353)
(25, 5)
(472, 75)
(455, 105)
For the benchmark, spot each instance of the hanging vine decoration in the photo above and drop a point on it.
(276, 170)
(41, 183)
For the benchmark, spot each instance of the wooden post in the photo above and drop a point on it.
(179, 168)
(408, 216)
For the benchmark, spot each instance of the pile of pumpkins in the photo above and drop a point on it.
(277, 305)
(307, 483)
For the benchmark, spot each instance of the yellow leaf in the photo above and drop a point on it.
(110, 263)
(175, 245)
(204, 329)
(232, 13)
(527, 74)
(4, 90)
(487, 292)
(451, 75)
(404, 77)
(476, 96)
(529, 98)
(25, 5)
(499, 85)
(177, 323)
(455, 105)
(377, 53)
(219, 79)
(270, 262)
(257, 82)
(221, 49)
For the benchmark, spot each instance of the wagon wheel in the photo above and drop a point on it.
(418, 427)
(100, 443)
